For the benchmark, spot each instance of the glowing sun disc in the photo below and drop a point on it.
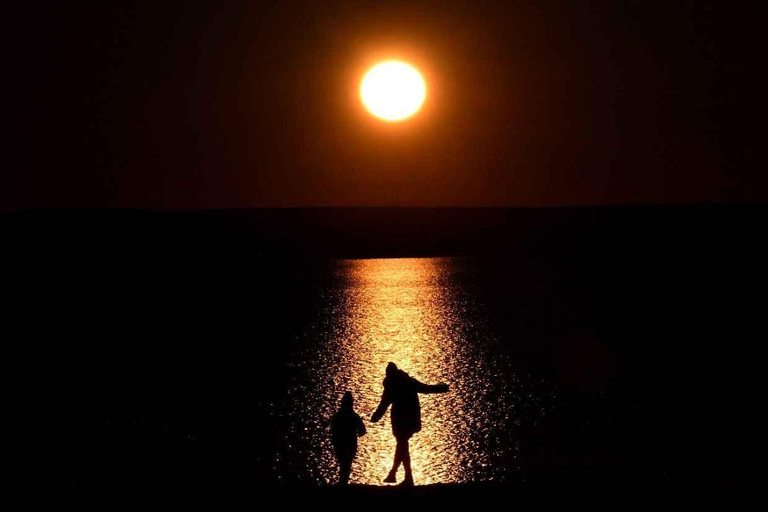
(393, 90)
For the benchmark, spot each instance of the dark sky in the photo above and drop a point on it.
(174, 105)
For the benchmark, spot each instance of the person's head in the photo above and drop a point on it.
(347, 402)
(391, 369)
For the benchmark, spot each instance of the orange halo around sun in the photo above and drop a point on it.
(393, 90)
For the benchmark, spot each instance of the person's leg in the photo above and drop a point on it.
(392, 476)
(346, 469)
(405, 456)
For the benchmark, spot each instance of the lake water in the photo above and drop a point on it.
(427, 316)
(588, 347)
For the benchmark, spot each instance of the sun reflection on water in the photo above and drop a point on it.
(408, 312)
(396, 315)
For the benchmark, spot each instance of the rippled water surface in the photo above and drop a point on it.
(424, 315)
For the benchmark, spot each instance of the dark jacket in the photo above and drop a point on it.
(346, 426)
(402, 392)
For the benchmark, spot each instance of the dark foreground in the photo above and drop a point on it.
(483, 496)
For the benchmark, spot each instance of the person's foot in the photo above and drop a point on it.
(408, 482)
(391, 478)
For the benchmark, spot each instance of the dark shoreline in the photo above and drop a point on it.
(469, 495)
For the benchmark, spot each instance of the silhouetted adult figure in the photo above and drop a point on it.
(346, 427)
(402, 392)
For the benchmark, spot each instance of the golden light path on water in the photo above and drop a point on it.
(405, 311)
(396, 315)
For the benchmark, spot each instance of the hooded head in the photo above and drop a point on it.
(347, 402)
(391, 369)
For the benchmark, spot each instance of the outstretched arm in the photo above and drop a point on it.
(430, 389)
(382, 408)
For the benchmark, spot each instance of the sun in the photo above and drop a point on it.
(393, 90)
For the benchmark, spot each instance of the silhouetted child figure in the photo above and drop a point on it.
(346, 427)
